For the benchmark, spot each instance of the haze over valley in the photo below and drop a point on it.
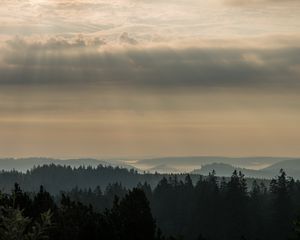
(254, 167)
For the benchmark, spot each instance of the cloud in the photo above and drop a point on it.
(54, 43)
(251, 2)
(146, 21)
(83, 61)
(125, 38)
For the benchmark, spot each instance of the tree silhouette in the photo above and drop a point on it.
(282, 205)
(132, 218)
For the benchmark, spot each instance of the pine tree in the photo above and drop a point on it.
(132, 217)
(281, 206)
(14, 226)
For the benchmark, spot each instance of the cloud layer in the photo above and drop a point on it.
(92, 61)
(142, 77)
(251, 2)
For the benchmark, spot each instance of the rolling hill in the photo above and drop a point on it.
(291, 167)
(24, 164)
(190, 163)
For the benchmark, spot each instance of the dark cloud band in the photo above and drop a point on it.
(88, 62)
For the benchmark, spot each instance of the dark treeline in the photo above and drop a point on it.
(56, 178)
(215, 208)
(211, 208)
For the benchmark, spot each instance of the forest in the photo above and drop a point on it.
(177, 207)
(56, 178)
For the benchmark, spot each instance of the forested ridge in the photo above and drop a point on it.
(177, 208)
(56, 178)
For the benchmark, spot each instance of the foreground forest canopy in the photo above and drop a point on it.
(209, 208)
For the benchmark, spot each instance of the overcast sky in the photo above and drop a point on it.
(137, 78)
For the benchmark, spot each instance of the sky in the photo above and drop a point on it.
(141, 78)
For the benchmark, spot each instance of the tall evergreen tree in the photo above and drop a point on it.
(236, 206)
(131, 217)
(281, 206)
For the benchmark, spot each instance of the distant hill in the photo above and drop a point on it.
(203, 165)
(24, 164)
(221, 169)
(291, 167)
(190, 163)
(226, 170)
(162, 168)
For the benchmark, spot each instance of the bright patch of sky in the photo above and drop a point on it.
(147, 20)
